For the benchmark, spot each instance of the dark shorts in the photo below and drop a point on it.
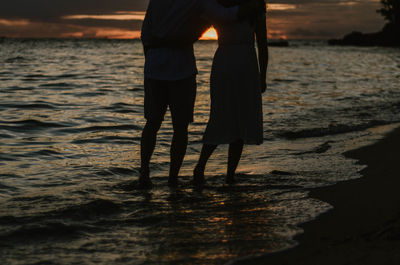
(178, 95)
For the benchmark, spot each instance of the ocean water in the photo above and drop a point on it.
(71, 114)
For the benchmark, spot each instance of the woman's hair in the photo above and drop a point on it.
(231, 3)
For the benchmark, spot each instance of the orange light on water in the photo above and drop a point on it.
(210, 34)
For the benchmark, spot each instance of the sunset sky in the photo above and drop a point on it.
(315, 19)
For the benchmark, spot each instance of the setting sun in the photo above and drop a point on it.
(210, 34)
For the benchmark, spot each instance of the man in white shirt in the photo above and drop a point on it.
(169, 30)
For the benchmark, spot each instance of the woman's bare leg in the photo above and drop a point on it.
(198, 173)
(235, 152)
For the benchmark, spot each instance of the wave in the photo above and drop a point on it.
(284, 80)
(6, 73)
(88, 94)
(6, 187)
(319, 149)
(57, 86)
(7, 157)
(28, 106)
(13, 176)
(331, 130)
(51, 230)
(124, 108)
(19, 88)
(44, 153)
(3, 135)
(118, 171)
(30, 125)
(36, 199)
(101, 128)
(35, 76)
(87, 211)
(66, 76)
(108, 140)
(90, 210)
(17, 59)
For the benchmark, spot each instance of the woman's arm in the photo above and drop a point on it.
(261, 36)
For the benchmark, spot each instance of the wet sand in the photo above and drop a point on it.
(364, 226)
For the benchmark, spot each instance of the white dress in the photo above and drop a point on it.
(236, 104)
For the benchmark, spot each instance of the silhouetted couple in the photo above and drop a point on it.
(238, 78)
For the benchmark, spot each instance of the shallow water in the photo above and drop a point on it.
(70, 121)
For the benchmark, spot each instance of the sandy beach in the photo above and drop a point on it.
(364, 226)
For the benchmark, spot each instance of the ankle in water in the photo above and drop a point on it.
(145, 183)
(230, 179)
(173, 181)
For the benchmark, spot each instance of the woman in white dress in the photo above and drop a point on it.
(237, 81)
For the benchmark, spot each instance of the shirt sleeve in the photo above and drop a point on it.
(215, 12)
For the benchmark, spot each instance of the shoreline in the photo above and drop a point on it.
(363, 228)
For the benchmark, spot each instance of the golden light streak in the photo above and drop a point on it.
(108, 33)
(210, 34)
(271, 7)
(117, 34)
(13, 23)
(116, 16)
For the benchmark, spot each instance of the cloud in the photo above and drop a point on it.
(14, 22)
(44, 10)
(324, 19)
(62, 18)
(132, 15)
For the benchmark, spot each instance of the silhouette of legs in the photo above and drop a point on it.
(147, 145)
(198, 173)
(178, 151)
(235, 152)
(179, 96)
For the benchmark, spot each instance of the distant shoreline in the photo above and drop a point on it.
(389, 36)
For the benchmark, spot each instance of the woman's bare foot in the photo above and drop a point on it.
(144, 180)
(230, 179)
(172, 182)
(198, 177)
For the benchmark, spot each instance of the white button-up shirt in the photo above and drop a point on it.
(174, 17)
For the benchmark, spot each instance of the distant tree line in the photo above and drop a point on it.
(391, 12)
(389, 36)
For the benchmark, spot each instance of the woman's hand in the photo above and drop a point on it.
(263, 85)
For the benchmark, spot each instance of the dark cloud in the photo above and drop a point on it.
(43, 10)
(46, 17)
(309, 18)
(325, 18)
(103, 23)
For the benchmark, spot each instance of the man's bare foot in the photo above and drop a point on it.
(230, 180)
(173, 182)
(198, 177)
(144, 180)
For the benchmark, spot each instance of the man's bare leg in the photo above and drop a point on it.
(147, 145)
(178, 151)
